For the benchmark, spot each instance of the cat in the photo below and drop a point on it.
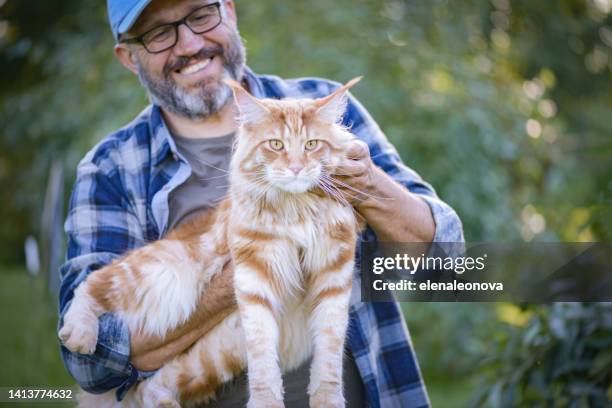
(291, 236)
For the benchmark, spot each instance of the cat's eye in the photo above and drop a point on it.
(311, 144)
(276, 144)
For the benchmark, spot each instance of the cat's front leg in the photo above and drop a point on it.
(79, 332)
(329, 294)
(257, 303)
(160, 390)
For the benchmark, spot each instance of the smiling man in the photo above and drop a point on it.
(170, 164)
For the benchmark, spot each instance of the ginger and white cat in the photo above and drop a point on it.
(291, 236)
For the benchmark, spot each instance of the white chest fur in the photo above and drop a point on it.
(306, 247)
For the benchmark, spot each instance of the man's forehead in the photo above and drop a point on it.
(163, 11)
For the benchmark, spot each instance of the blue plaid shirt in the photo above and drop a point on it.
(120, 202)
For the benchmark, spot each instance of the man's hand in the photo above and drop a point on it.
(354, 178)
(395, 214)
(149, 353)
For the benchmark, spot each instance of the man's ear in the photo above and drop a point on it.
(230, 9)
(126, 56)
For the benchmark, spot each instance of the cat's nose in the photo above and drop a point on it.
(296, 169)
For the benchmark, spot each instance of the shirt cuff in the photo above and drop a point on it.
(448, 227)
(109, 367)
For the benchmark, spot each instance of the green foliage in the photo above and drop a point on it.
(503, 106)
(452, 85)
(29, 348)
(62, 91)
(563, 357)
(449, 340)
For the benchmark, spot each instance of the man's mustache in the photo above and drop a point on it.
(182, 62)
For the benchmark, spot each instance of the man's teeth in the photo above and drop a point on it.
(192, 69)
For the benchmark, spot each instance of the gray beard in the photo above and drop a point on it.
(208, 98)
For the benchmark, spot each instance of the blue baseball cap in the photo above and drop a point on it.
(122, 14)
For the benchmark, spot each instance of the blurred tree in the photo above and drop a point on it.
(55, 101)
(502, 106)
(562, 356)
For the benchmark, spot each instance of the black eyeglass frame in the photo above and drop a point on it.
(175, 24)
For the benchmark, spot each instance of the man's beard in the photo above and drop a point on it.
(208, 97)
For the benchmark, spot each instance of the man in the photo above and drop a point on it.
(170, 164)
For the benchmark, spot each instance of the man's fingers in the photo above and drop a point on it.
(354, 184)
(350, 194)
(357, 150)
(351, 168)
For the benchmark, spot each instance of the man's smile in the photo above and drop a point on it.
(195, 67)
(199, 69)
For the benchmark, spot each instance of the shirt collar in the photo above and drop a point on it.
(254, 83)
(162, 143)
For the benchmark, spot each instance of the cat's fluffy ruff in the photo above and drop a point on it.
(293, 255)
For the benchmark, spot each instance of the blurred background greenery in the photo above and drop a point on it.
(504, 106)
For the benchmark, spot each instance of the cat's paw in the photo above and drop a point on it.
(153, 393)
(167, 404)
(327, 395)
(264, 399)
(79, 335)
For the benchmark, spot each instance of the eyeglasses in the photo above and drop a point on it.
(165, 36)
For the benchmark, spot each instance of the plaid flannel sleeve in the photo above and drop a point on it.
(99, 228)
(385, 156)
(394, 378)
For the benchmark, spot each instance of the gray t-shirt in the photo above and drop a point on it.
(204, 189)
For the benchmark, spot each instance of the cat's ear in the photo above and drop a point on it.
(250, 109)
(331, 108)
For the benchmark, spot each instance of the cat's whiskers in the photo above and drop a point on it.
(211, 165)
(347, 186)
(333, 192)
(342, 174)
(326, 189)
(258, 180)
(324, 179)
(211, 178)
(333, 166)
(347, 192)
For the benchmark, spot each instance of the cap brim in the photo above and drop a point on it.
(131, 17)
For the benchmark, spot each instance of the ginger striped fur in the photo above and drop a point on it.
(291, 236)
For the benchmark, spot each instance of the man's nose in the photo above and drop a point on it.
(188, 43)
